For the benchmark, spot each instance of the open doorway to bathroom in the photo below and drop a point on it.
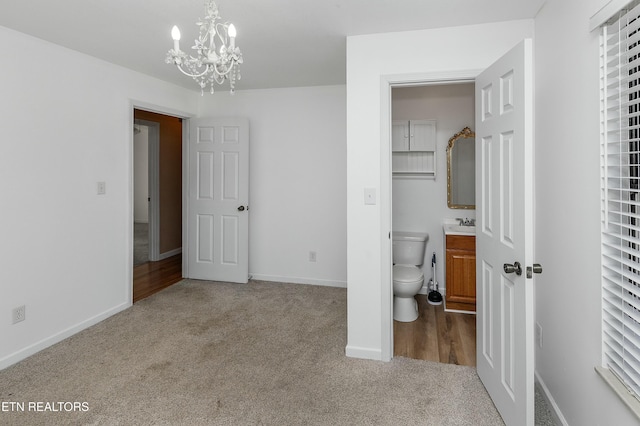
(419, 204)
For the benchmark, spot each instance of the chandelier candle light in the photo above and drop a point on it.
(212, 64)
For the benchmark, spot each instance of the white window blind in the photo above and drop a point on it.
(620, 158)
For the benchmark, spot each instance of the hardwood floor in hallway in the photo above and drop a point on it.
(151, 277)
(436, 335)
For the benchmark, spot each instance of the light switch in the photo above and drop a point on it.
(102, 188)
(370, 196)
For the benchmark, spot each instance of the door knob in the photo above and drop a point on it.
(241, 208)
(516, 267)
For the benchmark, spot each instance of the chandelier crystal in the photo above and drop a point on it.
(213, 64)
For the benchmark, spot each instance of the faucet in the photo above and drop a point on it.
(466, 221)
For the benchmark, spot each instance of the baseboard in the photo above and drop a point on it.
(363, 353)
(298, 280)
(558, 418)
(58, 337)
(170, 253)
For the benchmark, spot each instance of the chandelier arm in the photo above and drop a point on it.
(211, 36)
(225, 26)
(206, 70)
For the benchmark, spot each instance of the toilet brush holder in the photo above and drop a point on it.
(434, 297)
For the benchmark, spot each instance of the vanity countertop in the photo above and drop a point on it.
(453, 228)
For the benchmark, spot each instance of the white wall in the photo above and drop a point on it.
(421, 204)
(297, 174)
(436, 52)
(141, 175)
(67, 251)
(568, 292)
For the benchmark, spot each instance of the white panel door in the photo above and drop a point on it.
(504, 233)
(218, 223)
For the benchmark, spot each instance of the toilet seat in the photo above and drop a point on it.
(405, 274)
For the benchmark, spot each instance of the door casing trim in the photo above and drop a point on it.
(387, 83)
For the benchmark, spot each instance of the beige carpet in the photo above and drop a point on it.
(203, 353)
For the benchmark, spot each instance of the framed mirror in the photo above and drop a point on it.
(461, 170)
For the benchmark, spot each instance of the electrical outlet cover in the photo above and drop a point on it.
(19, 314)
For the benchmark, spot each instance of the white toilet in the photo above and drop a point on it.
(408, 255)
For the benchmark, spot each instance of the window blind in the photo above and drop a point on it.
(620, 178)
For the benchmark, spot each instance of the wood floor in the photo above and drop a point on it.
(151, 277)
(437, 335)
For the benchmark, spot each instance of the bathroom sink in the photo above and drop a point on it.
(455, 229)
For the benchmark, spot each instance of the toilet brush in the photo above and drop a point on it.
(434, 297)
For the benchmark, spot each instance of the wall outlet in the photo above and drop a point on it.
(102, 188)
(18, 314)
(312, 256)
(539, 335)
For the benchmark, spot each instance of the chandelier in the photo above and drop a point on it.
(213, 64)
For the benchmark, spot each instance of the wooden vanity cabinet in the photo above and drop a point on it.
(461, 272)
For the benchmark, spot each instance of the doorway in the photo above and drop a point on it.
(419, 204)
(162, 266)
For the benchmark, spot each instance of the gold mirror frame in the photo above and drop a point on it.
(465, 133)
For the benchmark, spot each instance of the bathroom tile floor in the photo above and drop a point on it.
(437, 335)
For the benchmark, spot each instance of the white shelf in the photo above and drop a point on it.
(414, 148)
(414, 162)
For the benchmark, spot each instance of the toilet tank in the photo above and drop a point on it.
(409, 247)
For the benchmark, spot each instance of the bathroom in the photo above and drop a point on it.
(420, 204)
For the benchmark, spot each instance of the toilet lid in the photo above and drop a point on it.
(407, 273)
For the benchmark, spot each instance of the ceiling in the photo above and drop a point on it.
(285, 43)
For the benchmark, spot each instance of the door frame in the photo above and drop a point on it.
(186, 124)
(159, 109)
(154, 187)
(387, 83)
